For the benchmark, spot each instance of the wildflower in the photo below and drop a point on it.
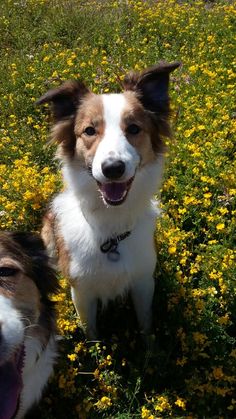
(181, 403)
(218, 373)
(172, 250)
(182, 361)
(103, 403)
(220, 226)
(72, 357)
(224, 320)
(199, 338)
(146, 413)
(162, 404)
(190, 200)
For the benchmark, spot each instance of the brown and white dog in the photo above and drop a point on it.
(27, 322)
(101, 226)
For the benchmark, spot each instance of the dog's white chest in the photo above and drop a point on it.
(89, 263)
(107, 274)
(104, 274)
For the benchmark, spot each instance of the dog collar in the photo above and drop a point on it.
(110, 246)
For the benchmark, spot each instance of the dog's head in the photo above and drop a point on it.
(25, 312)
(113, 136)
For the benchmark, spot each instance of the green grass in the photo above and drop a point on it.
(192, 370)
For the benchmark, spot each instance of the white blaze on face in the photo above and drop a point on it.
(114, 143)
(11, 331)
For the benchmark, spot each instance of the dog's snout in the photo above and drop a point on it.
(113, 169)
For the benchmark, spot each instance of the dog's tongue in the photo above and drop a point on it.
(114, 191)
(10, 387)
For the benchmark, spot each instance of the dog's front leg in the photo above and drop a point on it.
(86, 308)
(142, 293)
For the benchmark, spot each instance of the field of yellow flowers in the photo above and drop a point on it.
(192, 370)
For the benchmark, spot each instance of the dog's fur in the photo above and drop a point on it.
(123, 134)
(27, 322)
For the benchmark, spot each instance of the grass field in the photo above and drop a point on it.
(192, 372)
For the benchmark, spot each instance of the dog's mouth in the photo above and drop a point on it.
(115, 193)
(11, 383)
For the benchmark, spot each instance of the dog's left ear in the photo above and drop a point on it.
(31, 243)
(38, 262)
(152, 86)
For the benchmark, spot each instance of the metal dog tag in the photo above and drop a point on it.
(113, 256)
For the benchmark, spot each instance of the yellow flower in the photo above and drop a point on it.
(199, 338)
(162, 404)
(220, 226)
(146, 413)
(181, 403)
(224, 320)
(218, 373)
(207, 195)
(182, 361)
(72, 357)
(104, 403)
(190, 200)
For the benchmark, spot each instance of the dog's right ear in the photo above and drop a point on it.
(65, 99)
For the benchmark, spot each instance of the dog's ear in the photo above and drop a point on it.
(31, 243)
(65, 99)
(38, 262)
(151, 86)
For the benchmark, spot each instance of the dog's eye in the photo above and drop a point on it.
(90, 131)
(5, 271)
(133, 129)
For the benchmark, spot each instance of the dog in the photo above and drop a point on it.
(101, 227)
(27, 322)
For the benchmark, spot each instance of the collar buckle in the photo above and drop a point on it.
(110, 246)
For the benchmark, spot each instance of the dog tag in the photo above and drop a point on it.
(113, 256)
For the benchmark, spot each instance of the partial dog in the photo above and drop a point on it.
(101, 226)
(27, 322)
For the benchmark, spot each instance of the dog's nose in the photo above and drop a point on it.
(113, 169)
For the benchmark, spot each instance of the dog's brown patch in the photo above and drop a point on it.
(48, 235)
(63, 256)
(147, 142)
(55, 244)
(90, 114)
(63, 134)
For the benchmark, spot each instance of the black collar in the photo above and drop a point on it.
(110, 245)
